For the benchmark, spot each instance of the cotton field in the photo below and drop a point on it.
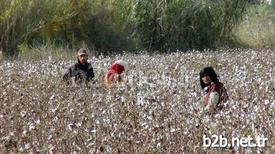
(157, 109)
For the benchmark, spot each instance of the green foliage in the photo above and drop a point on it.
(190, 27)
(116, 25)
(257, 30)
(149, 17)
(177, 24)
(12, 14)
(273, 4)
(45, 51)
(63, 23)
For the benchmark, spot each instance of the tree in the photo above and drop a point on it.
(273, 4)
(149, 16)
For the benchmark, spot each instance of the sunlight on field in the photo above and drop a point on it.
(156, 109)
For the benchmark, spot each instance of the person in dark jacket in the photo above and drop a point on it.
(81, 71)
(214, 92)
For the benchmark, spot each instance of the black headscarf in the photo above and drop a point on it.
(211, 73)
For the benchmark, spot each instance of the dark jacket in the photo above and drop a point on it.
(80, 72)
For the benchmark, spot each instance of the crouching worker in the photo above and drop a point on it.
(113, 76)
(81, 71)
(214, 92)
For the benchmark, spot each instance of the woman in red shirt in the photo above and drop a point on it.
(214, 92)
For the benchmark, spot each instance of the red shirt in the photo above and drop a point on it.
(115, 69)
(216, 87)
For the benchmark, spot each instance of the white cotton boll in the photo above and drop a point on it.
(53, 110)
(79, 124)
(122, 63)
(93, 131)
(23, 114)
(31, 126)
(266, 102)
(51, 150)
(122, 99)
(50, 137)
(38, 121)
(27, 146)
(55, 119)
(24, 132)
(256, 108)
(272, 106)
(52, 97)
(172, 130)
(21, 149)
(70, 126)
(11, 133)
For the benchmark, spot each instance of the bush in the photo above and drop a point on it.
(164, 25)
(257, 30)
(118, 25)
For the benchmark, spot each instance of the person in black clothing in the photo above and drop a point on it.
(81, 71)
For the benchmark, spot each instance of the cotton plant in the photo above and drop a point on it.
(156, 109)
